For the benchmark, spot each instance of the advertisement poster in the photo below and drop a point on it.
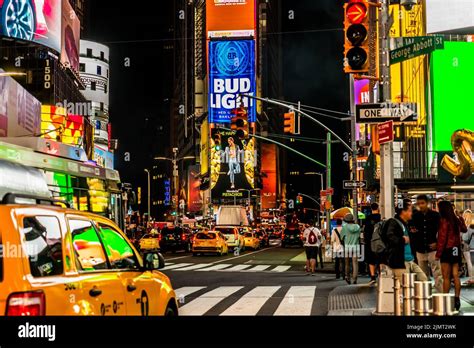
(71, 36)
(231, 73)
(20, 112)
(195, 199)
(103, 158)
(38, 21)
(230, 18)
(232, 167)
(269, 174)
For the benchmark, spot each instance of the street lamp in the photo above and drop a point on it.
(320, 174)
(149, 193)
(315, 201)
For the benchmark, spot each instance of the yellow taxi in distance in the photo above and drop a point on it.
(251, 240)
(150, 241)
(210, 242)
(59, 261)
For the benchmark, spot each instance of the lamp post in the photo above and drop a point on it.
(149, 193)
(249, 192)
(174, 160)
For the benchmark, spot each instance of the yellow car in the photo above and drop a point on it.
(149, 242)
(210, 242)
(58, 261)
(251, 240)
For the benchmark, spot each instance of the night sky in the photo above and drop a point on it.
(139, 95)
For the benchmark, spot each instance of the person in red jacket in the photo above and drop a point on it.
(449, 248)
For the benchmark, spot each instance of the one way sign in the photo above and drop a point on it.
(377, 113)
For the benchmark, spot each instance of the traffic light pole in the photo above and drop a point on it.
(386, 150)
(328, 183)
(355, 191)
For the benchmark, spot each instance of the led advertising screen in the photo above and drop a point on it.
(230, 18)
(231, 73)
(20, 112)
(452, 75)
(195, 199)
(32, 20)
(269, 174)
(71, 36)
(232, 166)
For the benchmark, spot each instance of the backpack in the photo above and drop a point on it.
(377, 245)
(312, 237)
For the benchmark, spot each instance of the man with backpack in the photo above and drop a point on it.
(312, 240)
(338, 249)
(370, 257)
(398, 254)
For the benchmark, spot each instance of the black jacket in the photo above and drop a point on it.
(395, 244)
(425, 230)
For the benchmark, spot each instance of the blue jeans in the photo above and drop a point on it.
(234, 168)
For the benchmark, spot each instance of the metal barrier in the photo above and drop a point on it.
(408, 287)
(423, 298)
(443, 304)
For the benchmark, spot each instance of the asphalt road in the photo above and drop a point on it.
(269, 281)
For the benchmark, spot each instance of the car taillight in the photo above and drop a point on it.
(183, 237)
(282, 236)
(26, 304)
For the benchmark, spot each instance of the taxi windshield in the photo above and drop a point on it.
(248, 234)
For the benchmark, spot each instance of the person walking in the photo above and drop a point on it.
(399, 257)
(467, 242)
(312, 237)
(424, 232)
(338, 249)
(351, 239)
(449, 248)
(321, 250)
(373, 219)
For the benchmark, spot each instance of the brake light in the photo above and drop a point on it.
(183, 237)
(282, 235)
(26, 304)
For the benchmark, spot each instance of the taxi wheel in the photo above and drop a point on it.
(171, 311)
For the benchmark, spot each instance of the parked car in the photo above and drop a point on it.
(175, 238)
(291, 236)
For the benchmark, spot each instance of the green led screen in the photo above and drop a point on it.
(452, 72)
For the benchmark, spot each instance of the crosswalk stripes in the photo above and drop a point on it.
(296, 301)
(225, 267)
(204, 303)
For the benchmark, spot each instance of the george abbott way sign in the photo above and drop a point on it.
(381, 112)
(414, 47)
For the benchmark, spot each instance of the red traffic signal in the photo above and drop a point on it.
(356, 12)
(356, 32)
(289, 123)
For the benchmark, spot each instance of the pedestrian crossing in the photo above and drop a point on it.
(246, 301)
(225, 267)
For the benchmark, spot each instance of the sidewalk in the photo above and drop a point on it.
(360, 299)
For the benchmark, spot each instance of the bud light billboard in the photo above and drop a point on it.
(231, 73)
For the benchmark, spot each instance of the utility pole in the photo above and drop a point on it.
(328, 182)
(175, 184)
(149, 194)
(386, 150)
(355, 192)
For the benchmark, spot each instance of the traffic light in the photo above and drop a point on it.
(216, 137)
(299, 199)
(240, 123)
(289, 123)
(356, 32)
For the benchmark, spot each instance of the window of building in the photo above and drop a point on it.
(105, 88)
(93, 86)
(88, 249)
(89, 52)
(43, 244)
(102, 55)
(82, 67)
(99, 70)
(101, 106)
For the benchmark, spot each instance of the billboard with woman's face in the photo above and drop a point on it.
(38, 21)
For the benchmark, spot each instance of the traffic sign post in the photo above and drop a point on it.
(419, 45)
(386, 134)
(350, 185)
(380, 112)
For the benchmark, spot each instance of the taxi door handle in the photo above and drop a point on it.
(95, 292)
(131, 288)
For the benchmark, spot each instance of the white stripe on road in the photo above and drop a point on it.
(236, 268)
(177, 258)
(257, 268)
(193, 267)
(215, 267)
(251, 302)
(297, 301)
(181, 293)
(178, 265)
(280, 269)
(204, 303)
(244, 255)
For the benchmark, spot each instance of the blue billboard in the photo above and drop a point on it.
(231, 73)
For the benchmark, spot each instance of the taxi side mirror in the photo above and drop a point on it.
(154, 261)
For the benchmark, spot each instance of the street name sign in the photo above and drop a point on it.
(350, 185)
(414, 47)
(386, 134)
(381, 112)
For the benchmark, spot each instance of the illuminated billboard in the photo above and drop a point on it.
(269, 174)
(232, 166)
(20, 112)
(57, 125)
(38, 21)
(71, 36)
(231, 73)
(195, 200)
(452, 75)
(230, 18)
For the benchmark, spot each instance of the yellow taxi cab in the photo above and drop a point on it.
(150, 241)
(59, 261)
(210, 242)
(251, 240)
